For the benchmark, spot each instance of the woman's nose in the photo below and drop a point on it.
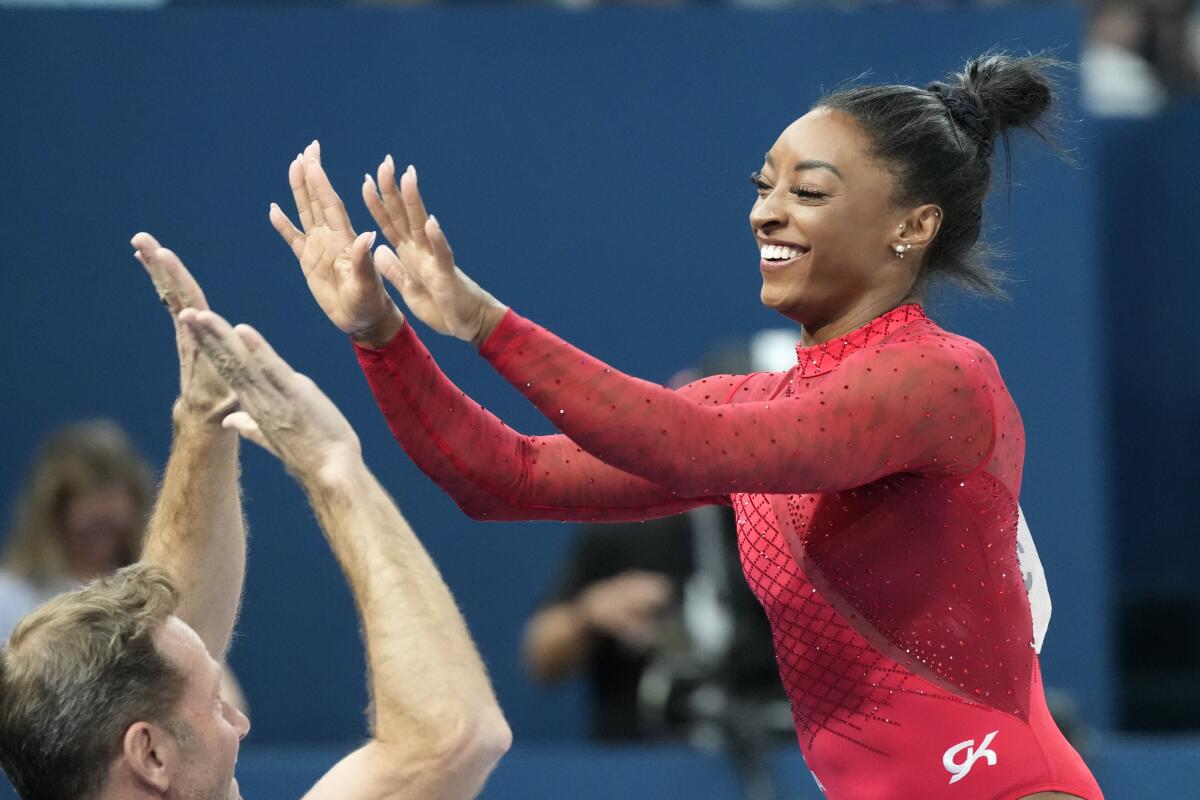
(765, 213)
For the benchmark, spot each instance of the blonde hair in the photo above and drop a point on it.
(77, 672)
(76, 459)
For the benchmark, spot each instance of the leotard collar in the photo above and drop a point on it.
(821, 358)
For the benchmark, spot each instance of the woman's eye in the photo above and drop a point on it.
(807, 194)
(757, 180)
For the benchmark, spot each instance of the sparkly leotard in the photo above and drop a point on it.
(875, 486)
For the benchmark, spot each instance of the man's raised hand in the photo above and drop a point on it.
(422, 265)
(281, 410)
(202, 392)
(336, 262)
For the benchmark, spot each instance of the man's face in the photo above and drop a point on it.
(212, 727)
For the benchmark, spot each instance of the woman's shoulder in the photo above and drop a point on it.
(929, 342)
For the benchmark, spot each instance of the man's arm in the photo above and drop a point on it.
(437, 730)
(196, 532)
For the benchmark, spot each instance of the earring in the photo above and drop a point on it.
(902, 226)
(899, 248)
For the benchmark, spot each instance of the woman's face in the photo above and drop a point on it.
(97, 525)
(825, 224)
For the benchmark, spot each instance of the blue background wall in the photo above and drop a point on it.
(589, 169)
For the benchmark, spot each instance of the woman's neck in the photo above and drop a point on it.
(852, 318)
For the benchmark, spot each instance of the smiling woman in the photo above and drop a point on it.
(875, 483)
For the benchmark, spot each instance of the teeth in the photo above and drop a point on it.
(774, 252)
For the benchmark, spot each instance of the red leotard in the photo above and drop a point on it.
(875, 486)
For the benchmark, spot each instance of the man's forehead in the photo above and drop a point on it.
(181, 644)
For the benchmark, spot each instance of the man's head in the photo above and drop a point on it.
(104, 693)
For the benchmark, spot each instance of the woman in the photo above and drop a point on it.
(81, 516)
(875, 483)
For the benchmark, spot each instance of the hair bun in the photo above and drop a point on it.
(1009, 91)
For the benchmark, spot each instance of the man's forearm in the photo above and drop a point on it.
(197, 532)
(429, 686)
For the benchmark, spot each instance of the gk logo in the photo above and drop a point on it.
(958, 770)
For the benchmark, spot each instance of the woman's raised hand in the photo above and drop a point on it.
(337, 263)
(422, 266)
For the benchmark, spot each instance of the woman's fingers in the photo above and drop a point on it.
(443, 256)
(300, 193)
(414, 207)
(289, 232)
(392, 268)
(392, 201)
(370, 195)
(361, 263)
(327, 205)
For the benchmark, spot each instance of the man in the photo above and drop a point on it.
(111, 692)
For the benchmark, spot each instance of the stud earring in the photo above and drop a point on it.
(899, 248)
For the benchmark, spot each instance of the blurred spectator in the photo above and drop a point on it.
(81, 515)
(1139, 54)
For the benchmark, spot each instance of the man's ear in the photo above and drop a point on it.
(151, 755)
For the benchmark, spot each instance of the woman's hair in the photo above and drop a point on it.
(938, 142)
(74, 460)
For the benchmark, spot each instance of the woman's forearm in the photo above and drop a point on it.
(492, 471)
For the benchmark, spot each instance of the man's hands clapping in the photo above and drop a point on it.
(203, 394)
(281, 410)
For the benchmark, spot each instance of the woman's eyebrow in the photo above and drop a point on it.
(810, 163)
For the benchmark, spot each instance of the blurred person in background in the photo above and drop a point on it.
(610, 610)
(1138, 55)
(80, 515)
(111, 691)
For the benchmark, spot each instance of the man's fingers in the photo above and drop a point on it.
(247, 428)
(393, 203)
(174, 284)
(273, 367)
(182, 289)
(225, 350)
(289, 232)
(300, 193)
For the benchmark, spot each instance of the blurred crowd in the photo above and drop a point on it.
(1139, 55)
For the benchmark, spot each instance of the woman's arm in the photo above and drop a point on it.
(905, 407)
(492, 471)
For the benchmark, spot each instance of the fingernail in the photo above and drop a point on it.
(390, 162)
(371, 240)
(434, 220)
(367, 177)
(413, 170)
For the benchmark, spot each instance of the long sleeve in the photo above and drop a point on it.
(490, 470)
(904, 406)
